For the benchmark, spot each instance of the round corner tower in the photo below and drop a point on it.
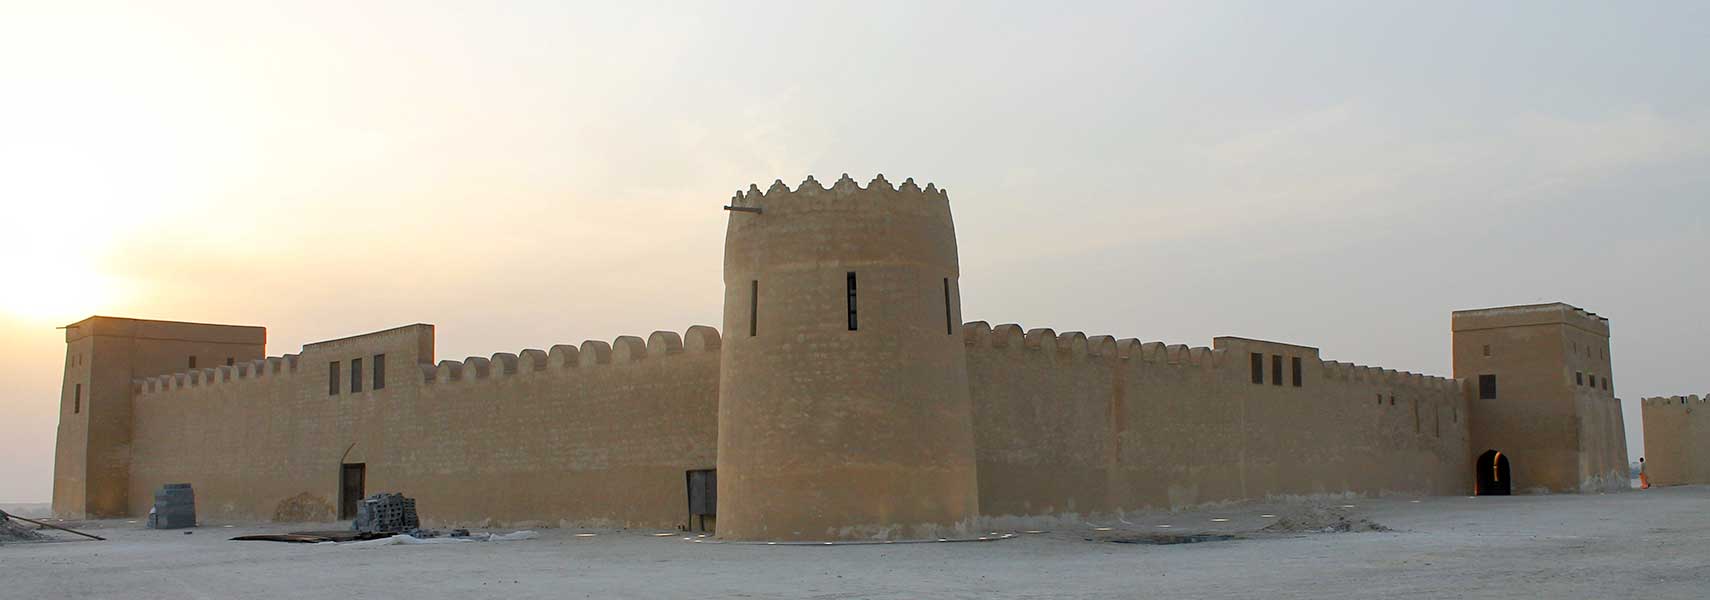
(843, 398)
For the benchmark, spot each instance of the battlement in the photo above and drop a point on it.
(1682, 402)
(844, 187)
(625, 350)
(272, 367)
(1531, 314)
(1074, 346)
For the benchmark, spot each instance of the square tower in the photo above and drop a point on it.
(91, 471)
(1542, 407)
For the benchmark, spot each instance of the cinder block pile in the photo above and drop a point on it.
(386, 513)
(174, 507)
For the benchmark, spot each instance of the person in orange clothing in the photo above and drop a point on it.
(1644, 480)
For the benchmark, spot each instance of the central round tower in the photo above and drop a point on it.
(843, 397)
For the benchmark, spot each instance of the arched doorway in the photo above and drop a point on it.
(1494, 477)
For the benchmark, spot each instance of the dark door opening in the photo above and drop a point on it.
(703, 499)
(352, 478)
(1494, 477)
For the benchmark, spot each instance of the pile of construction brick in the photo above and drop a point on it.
(386, 513)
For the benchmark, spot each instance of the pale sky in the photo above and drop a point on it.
(1341, 175)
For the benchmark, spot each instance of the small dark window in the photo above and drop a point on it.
(1380, 399)
(753, 308)
(851, 286)
(332, 378)
(77, 399)
(1295, 365)
(379, 371)
(1605, 384)
(1593, 378)
(949, 323)
(1487, 387)
(1392, 399)
(1578, 378)
(1276, 369)
(1455, 413)
(1416, 415)
(355, 375)
(1487, 349)
(192, 362)
(228, 361)
(1258, 368)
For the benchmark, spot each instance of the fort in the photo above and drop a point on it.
(844, 398)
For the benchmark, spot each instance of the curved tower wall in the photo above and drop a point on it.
(827, 432)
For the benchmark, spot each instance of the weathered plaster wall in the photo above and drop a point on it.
(1068, 424)
(597, 434)
(1677, 439)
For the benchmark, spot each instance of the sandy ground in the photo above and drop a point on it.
(1653, 544)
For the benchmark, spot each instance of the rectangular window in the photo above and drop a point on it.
(1380, 399)
(851, 282)
(949, 323)
(1276, 369)
(1392, 399)
(355, 375)
(229, 361)
(1486, 387)
(1605, 384)
(1578, 378)
(1487, 349)
(1593, 378)
(77, 399)
(1258, 368)
(753, 308)
(192, 362)
(332, 378)
(1295, 365)
(379, 371)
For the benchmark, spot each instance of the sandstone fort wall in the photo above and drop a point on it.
(1070, 424)
(1677, 439)
(597, 434)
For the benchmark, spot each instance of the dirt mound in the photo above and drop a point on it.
(1323, 520)
(17, 531)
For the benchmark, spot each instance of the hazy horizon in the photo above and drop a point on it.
(1335, 175)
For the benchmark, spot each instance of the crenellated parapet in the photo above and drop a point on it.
(1350, 372)
(563, 358)
(256, 372)
(1684, 403)
(1074, 346)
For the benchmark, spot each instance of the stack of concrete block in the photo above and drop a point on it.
(386, 513)
(174, 507)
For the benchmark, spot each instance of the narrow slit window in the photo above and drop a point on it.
(1276, 369)
(949, 322)
(851, 285)
(1578, 378)
(355, 375)
(192, 362)
(1486, 387)
(1416, 415)
(1258, 368)
(379, 371)
(77, 399)
(332, 378)
(1593, 378)
(1294, 363)
(753, 308)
